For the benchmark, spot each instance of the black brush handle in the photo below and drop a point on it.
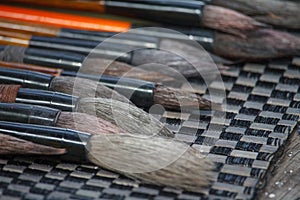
(50, 99)
(28, 79)
(204, 37)
(85, 47)
(141, 93)
(31, 114)
(73, 141)
(167, 11)
(135, 40)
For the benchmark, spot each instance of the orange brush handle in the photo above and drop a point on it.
(62, 20)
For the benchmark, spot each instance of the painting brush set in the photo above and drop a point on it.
(55, 101)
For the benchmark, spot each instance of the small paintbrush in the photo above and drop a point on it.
(141, 93)
(195, 13)
(124, 115)
(156, 160)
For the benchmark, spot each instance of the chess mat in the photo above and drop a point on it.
(263, 107)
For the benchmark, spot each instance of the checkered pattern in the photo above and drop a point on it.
(263, 104)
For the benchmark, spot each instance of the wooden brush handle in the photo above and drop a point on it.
(62, 20)
(35, 68)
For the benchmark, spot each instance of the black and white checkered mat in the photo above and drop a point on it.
(263, 104)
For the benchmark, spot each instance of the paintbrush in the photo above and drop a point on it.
(41, 115)
(199, 60)
(141, 93)
(195, 13)
(156, 160)
(283, 14)
(124, 115)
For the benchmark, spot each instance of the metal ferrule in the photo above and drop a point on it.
(138, 91)
(28, 79)
(63, 102)
(73, 141)
(31, 114)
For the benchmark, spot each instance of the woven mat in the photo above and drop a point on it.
(263, 107)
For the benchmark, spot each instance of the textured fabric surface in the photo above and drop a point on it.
(263, 104)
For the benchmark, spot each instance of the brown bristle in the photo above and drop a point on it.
(8, 93)
(277, 13)
(84, 88)
(12, 145)
(130, 118)
(86, 123)
(153, 160)
(183, 60)
(229, 21)
(115, 68)
(259, 45)
(173, 98)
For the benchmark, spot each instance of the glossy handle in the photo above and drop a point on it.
(30, 114)
(50, 99)
(74, 141)
(28, 79)
(138, 91)
(188, 13)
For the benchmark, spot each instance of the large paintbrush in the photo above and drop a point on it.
(156, 160)
(41, 115)
(124, 115)
(141, 93)
(195, 13)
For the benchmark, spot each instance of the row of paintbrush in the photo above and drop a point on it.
(230, 35)
(98, 125)
(85, 120)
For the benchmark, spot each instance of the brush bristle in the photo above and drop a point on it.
(87, 123)
(259, 45)
(11, 145)
(229, 21)
(126, 116)
(153, 160)
(278, 13)
(182, 58)
(115, 68)
(173, 98)
(84, 88)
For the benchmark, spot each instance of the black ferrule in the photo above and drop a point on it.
(50, 99)
(27, 79)
(139, 92)
(57, 59)
(2, 47)
(73, 141)
(30, 114)
(84, 47)
(164, 11)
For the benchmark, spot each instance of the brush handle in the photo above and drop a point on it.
(138, 91)
(73, 141)
(50, 99)
(174, 12)
(27, 79)
(29, 114)
(41, 57)
(85, 47)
